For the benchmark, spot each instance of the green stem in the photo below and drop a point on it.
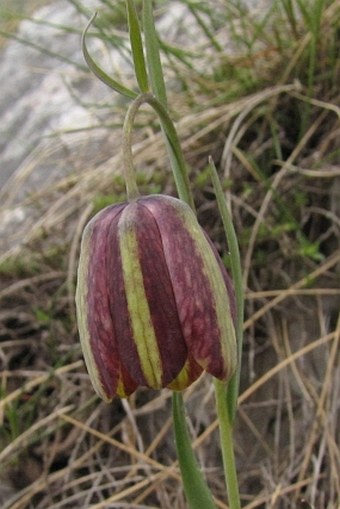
(180, 171)
(195, 488)
(158, 88)
(128, 167)
(226, 439)
(180, 175)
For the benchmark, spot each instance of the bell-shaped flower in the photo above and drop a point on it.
(155, 306)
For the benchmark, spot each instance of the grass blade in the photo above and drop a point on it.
(137, 47)
(152, 53)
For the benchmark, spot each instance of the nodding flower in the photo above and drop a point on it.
(155, 305)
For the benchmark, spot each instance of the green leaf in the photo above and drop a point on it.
(194, 11)
(137, 47)
(196, 490)
(177, 160)
(226, 439)
(236, 272)
(105, 78)
(152, 53)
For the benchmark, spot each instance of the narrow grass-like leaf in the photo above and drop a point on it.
(226, 439)
(236, 272)
(178, 165)
(306, 12)
(204, 27)
(152, 53)
(42, 49)
(195, 487)
(312, 18)
(226, 395)
(137, 47)
(105, 78)
(186, 57)
(289, 10)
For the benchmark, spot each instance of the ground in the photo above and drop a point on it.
(269, 114)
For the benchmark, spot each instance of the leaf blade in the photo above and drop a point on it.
(105, 78)
(137, 47)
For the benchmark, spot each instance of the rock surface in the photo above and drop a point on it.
(48, 104)
(39, 90)
(51, 104)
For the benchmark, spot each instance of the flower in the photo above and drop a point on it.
(155, 306)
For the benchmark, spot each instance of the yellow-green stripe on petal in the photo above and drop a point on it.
(188, 374)
(138, 308)
(155, 305)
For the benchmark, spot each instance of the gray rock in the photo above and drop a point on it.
(48, 105)
(46, 89)
(35, 100)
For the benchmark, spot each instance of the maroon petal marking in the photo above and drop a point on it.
(101, 330)
(227, 280)
(126, 385)
(193, 294)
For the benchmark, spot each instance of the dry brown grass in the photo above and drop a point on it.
(63, 448)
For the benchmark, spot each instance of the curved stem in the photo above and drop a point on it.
(180, 172)
(159, 90)
(129, 170)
